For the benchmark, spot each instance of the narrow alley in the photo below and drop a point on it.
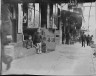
(65, 60)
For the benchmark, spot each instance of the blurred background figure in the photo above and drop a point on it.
(88, 40)
(6, 59)
(68, 38)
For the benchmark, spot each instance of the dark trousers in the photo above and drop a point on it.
(67, 41)
(88, 43)
(62, 39)
(83, 43)
(7, 60)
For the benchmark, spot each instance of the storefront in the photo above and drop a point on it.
(25, 16)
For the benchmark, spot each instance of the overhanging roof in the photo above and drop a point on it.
(52, 1)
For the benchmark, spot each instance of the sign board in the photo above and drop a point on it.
(49, 40)
(50, 43)
(31, 18)
(33, 15)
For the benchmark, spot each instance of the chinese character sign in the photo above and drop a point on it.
(33, 15)
(30, 15)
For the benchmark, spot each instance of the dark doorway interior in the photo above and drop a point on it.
(43, 14)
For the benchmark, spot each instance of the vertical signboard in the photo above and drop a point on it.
(48, 16)
(20, 18)
(30, 15)
(55, 16)
(37, 15)
(33, 15)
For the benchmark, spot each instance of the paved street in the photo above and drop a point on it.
(65, 60)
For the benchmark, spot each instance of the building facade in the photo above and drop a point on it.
(24, 16)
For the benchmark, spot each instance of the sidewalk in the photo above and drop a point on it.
(20, 51)
(65, 60)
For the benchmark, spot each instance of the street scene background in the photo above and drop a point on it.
(48, 37)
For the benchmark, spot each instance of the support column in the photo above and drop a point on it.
(20, 23)
(60, 27)
(95, 23)
(48, 15)
(0, 40)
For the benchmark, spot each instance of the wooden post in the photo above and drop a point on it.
(0, 41)
(95, 23)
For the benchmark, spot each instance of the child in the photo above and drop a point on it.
(37, 40)
(29, 42)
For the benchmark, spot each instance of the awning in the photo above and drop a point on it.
(51, 1)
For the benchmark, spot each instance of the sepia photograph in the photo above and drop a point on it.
(48, 37)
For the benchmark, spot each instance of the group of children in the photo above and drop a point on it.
(37, 41)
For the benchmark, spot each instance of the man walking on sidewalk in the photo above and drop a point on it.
(83, 38)
(88, 40)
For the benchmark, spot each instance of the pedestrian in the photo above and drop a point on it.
(68, 38)
(29, 42)
(63, 37)
(37, 40)
(91, 39)
(88, 40)
(94, 53)
(83, 38)
(6, 59)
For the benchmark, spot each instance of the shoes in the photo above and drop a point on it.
(39, 52)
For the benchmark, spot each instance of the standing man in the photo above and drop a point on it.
(83, 38)
(67, 37)
(63, 36)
